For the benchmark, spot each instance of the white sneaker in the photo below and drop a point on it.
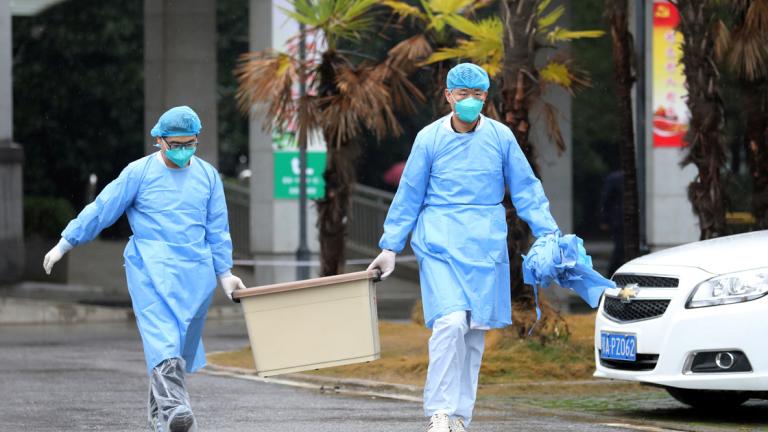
(457, 425)
(439, 423)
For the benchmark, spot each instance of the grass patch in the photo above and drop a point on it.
(507, 359)
(608, 402)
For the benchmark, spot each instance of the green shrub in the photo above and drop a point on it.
(46, 216)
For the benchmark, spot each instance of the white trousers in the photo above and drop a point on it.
(455, 353)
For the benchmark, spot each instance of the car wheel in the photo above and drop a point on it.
(706, 399)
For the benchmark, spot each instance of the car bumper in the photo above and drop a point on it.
(680, 333)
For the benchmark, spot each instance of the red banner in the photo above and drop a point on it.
(670, 112)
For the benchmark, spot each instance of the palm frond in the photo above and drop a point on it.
(265, 84)
(404, 9)
(756, 18)
(486, 56)
(444, 54)
(722, 40)
(544, 22)
(436, 23)
(747, 48)
(477, 4)
(351, 10)
(564, 35)
(338, 19)
(362, 99)
(427, 10)
(404, 94)
(408, 54)
(748, 56)
(542, 6)
(485, 47)
(449, 7)
(560, 72)
(489, 29)
(553, 127)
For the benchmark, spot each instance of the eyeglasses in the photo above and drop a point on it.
(175, 145)
(465, 93)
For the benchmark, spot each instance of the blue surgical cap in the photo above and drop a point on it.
(177, 121)
(468, 75)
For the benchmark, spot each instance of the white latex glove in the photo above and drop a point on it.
(230, 283)
(384, 262)
(54, 255)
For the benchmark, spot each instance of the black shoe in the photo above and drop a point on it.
(181, 421)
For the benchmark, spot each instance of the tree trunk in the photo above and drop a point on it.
(706, 147)
(622, 63)
(757, 149)
(754, 91)
(757, 156)
(339, 175)
(332, 210)
(517, 87)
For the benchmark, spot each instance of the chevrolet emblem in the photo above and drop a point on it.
(629, 292)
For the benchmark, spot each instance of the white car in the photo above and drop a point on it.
(692, 319)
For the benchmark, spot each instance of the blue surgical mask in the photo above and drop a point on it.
(180, 156)
(468, 109)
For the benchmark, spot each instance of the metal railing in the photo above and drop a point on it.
(368, 209)
(238, 207)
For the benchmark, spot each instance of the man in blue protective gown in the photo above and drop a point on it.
(450, 196)
(180, 246)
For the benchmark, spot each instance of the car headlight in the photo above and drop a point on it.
(731, 288)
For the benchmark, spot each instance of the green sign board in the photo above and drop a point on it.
(287, 174)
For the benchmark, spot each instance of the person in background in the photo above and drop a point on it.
(612, 216)
(180, 246)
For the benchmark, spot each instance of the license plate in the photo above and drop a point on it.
(618, 346)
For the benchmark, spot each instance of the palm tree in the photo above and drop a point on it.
(617, 13)
(343, 99)
(706, 147)
(434, 31)
(745, 48)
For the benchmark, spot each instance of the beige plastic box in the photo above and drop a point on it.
(312, 324)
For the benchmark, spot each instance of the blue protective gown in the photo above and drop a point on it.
(180, 243)
(564, 261)
(450, 196)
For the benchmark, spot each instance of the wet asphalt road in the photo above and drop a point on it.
(91, 377)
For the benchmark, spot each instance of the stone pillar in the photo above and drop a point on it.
(556, 169)
(180, 66)
(11, 159)
(274, 222)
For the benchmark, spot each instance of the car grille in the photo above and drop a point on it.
(645, 281)
(634, 310)
(643, 362)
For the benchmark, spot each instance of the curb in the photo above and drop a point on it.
(24, 310)
(33, 311)
(323, 384)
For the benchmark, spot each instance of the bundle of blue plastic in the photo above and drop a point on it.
(564, 261)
